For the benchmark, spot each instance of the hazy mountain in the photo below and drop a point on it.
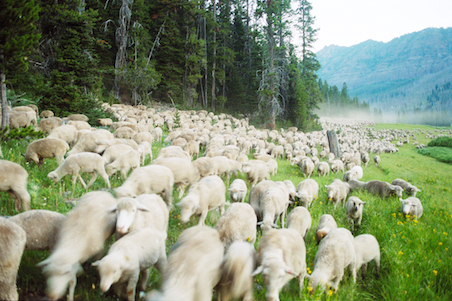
(395, 76)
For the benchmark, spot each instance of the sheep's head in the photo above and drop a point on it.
(109, 271)
(397, 190)
(53, 175)
(189, 206)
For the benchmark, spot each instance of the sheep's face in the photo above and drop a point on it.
(59, 278)
(110, 170)
(398, 191)
(408, 207)
(110, 272)
(53, 175)
(331, 192)
(188, 208)
(276, 275)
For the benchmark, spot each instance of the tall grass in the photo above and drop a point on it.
(416, 256)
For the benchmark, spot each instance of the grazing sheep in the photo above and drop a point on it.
(412, 206)
(126, 161)
(12, 244)
(41, 227)
(356, 184)
(337, 191)
(105, 121)
(326, 224)
(262, 156)
(307, 190)
(307, 167)
(225, 166)
(237, 190)
(13, 179)
(124, 132)
(21, 119)
(384, 189)
(89, 142)
(206, 195)
(256, 194)
(237, 223)
(68, 133)
(410, 189)
(86, 162)
(48, 124)
(76, 117)
(292, 190)
(130, 256)
(256, 171)
(377, 160)
(272, 166)
(300, 219)
(46, 148)
(194, 267)
(367, 249)
(365, 158)
(192, 148)
(205, 166)
(80, 124)
(103, 144)
(336, 252)
(354, 211)
(356, 173)
(323, 169)
(281, 256)
(337, 165)
(145, 148)
(142, 137)
(149, 179)
(236, 272)
(273, 204)
(46, 114)
(82, 235)
(111, 153)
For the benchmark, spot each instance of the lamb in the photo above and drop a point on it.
(148, 179)
(89, 142)
(46, 114)
(80, 124)
(384, 189)
(130, 256)
(356, 173)
(236, 272)
(46, 148)
(82, 235)
(354, 211)
(41, 227)
(326, 224)
(337, 191)
(82, 162)
(300, 219)
(12, 244)
(337, 165)
(281, 257)
(272, 166)
(124, 132)
(48, 124)
(292, 190)
(194, 267)
(323, 169)
(145, 148)
(412, 206)
(13, 179)
(273, 204)
(205, 166)
(111, 153)
(307, 167)
(237, 190)
(409, 188)
(65, 132)
(256, 171)
(307, 190)
(126, 161)
(377, 160)
(203, 196)
(367, 249)
(335, 253)
(18, 119)
(256, 194)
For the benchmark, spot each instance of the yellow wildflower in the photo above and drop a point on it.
(400, 253)
(440, 243)
(435, 272)
(330, 293)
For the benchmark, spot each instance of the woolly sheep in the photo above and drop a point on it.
(82, 235)
(13, 179)
(80, 124)
(412, 206)
(41, 227)
(365, 158)
(367, 249)
(323, 169)
(203, 196)
(336, 252)
(326, 224)
(48, 124)
(205, 166)
(377, 160)
(356, 173)
(356, 184)
(262, 157)
(105, 121)
(193, 268)
(173, 151)
(307, 190)
(148, 179)
(66, 132)
(337, 191)
(12, 244)
(409, 188)
(307, 167)
(76, 117)
(103, 144)
(18, 119)
(130, 256)
(273, 204)
(142, 137)
(145, 149)
(126, 161)
(111, 153)
(354, 211)
(192, 148)
(281, 256)
(224, 166)
(272, 166)
(236, 272)
(82, 162)
(237, 190)
(337, 165)
(89, 142)
(292, 190)
(256, 194)
(300, 219)
(157, 133)
(256, 171)
(46, 148)
(384, 189)
(46, 114)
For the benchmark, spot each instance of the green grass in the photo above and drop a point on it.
(442, 154)
(416, 256)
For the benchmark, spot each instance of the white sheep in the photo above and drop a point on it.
(149, 179)
(130, 256)
(365, 158)
(193, 268)
(384, 189)
(145, 149)
(143, 137)
(256, 194)
(46, 148)
(307, 190)
(292, 190)
(300, 219)
(326, 224)
(46, 114)
(410, 189)
(126, 161)
(412, 206)
(256, 171)
(82, 235)
(18, 119)
(85, 162)
(323, 169)
(12, 243)
(336, 252)
(205, 166)
(224, 166)
(237, 223)
(89, 142)
(13, 179)
(203, 196)
(79, 124)
(377, 160)
(112, 152)
(337, 165)
(337, 191)
(367, 249)
(68, 133)
(356, 173)
(273, 204)
(48, 124)
(354, 211)
(272, 167)
(307, 167)
(237, 190)
(281, 256)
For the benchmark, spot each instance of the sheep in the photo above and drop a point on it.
(384, 189)
(354, 211)
(46, 148)
(256, 171)
(273, 204)
(111, 153)
(377, 160)
(105, 121)
(76, 117)
(236, 272)
(82, 235)
(336, 252)
(145, 148)
(67, 132)
(82, 162)
(272, 166)
(356, 173)
(412, 206)
(323, 169)
(307, 167)
(205, 166)
(90, 142)
(13, 179)
(192, 148)
(18, 119)
(102, 144)
(48, 124)
(80, 124)
(203, 196)
(149, 179)
(130, 256)
(356, 184)
(281, 256)
(410, 189)
(126, 161)
(326, 224)
(365, 158)
(142, 137)
(256, 194)
(173, 151)
(12, 244)
(225, 166)
(262, 157)
(337, 191)
(292, 190)
(41, 227)
(46, 114)
(307, 190)
(193, 268)
(367, 249)
(300, 219)
(237, 190)
(337, 165)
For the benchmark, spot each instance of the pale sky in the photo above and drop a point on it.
(350, 22)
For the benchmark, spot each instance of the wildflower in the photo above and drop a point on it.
(393, 214)
(407, 275)
(440, 243)
(444, 233)
(399, 223)
(400, 253)
(330, 293)
(309, 271)
(309, 288)
(435, 272)
(321, 203)
(93, 286)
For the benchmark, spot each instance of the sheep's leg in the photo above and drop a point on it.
(364, 269)
(22, 199)
(144, 279)
(93, 178)
(131, 286)
(181, 189)
(72, 284)
(202, 218)
(300, 279)
(16, 200)
(104, 176)
(81, 180)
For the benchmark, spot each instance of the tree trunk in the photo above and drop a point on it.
(333, 143)
(214, 62)
(5, 113)
(271, 50)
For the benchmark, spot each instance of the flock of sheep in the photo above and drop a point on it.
(137, 212)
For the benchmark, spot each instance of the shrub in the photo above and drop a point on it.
(441, 141)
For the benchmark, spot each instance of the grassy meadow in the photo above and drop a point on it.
(416, 255)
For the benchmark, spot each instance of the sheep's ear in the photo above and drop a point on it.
(401, 200)
(114, 208)
(275, 226)
(229, 189)
(178, 204)
(260, 223)
(43, 263)
(288, 270)
(96, 263)
(142, 207)
(257, 271)
(364, 203)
